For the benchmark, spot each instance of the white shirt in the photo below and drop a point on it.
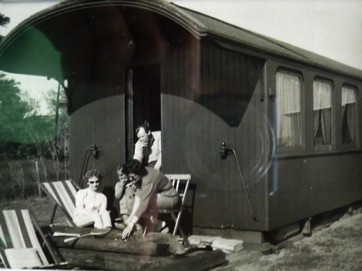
(88, 201)
(149, 155)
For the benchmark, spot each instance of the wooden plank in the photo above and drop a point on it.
(217, 242)
(196, 261)
(255, 237)
(112, 242)
(101, 260)
(142, 247)
(228, 245)
(130, 255)
(198, 240)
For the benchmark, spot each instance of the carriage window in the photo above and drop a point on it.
(289, 109)
(349, 115)
(322, 112)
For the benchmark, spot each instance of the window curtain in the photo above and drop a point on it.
(322, 109)
(349, 114)
(288, 107)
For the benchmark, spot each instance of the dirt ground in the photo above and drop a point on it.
(333, 246)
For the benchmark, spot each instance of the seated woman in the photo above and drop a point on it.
(90, 205)
(153, 190)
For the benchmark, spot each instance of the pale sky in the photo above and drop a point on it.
(332, 28)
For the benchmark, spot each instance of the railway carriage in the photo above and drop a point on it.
(270, 133)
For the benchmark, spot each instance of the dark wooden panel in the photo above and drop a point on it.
(101, 123)
(195, 133)
(220, 199)
(322, 183)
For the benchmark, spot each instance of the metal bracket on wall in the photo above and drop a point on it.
(224, 153)
(93, 151)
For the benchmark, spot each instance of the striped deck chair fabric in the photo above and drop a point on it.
(63, 194)
(20, 244)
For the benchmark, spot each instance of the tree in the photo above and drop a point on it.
(12, 110)
(3, 22)
(28, 138)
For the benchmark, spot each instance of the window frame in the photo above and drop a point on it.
(356, 142)
(324, 147)
(297, 148)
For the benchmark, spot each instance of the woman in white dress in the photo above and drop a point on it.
(91, 205)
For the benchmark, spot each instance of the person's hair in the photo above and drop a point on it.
(123, 168)
(91, 173)
(145, 126)
(136, 167)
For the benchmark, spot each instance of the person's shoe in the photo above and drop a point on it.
(164, 228)
(161, 227)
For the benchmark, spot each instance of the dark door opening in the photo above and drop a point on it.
(143, 102)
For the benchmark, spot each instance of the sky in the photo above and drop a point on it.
(331, 28)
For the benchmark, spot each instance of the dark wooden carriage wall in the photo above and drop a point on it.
(202, 82)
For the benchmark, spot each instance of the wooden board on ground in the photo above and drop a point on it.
(217, 242)
(196, 261)
(155, 251)
(228, 245)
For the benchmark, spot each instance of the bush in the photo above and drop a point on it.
(20, 178)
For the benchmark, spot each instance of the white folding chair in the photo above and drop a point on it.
(181, 183)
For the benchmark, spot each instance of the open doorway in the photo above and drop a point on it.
(143, 101)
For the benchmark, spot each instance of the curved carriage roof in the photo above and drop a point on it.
(29, 48)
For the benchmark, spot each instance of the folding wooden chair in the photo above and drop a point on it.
(181, 183)
(63, 194)
(20, 246)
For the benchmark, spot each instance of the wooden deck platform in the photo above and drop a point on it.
(155, 251)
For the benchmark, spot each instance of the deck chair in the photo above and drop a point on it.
(20, 246)
(63, 193)
(181, 183)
